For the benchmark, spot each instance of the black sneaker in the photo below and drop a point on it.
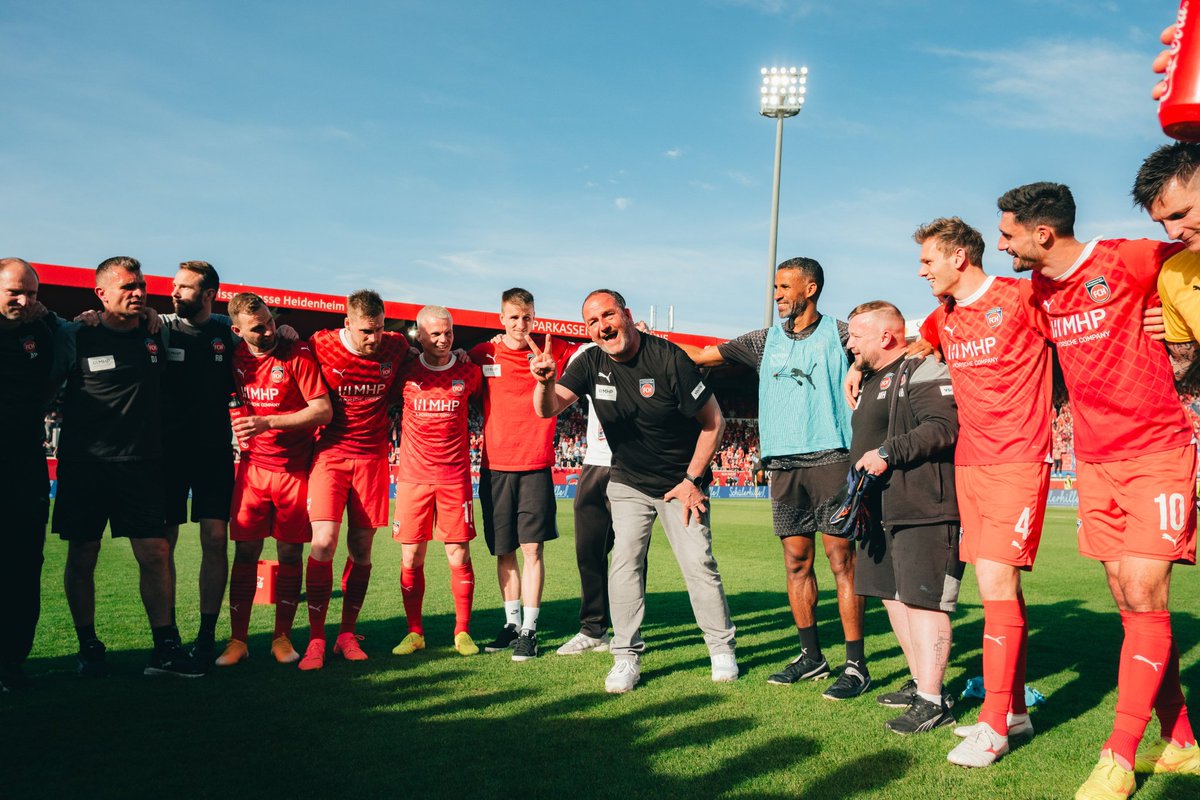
(851, 683)
(91, 660)
(169, 658)
(203, 652)
(899, 699)
(526, 646)
(919, 717)
(800, 668)
(504, 640)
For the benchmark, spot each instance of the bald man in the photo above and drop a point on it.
(26, 356)
(905, 428)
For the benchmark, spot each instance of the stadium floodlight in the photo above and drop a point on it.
(781, 96)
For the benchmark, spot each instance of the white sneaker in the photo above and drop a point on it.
(624, 675)
(582, 643)
(981, 749)
(1018, 725)
(724, 668)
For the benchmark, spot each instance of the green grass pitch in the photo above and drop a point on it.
(439, 725)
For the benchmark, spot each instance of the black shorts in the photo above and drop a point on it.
(801, 496)
(25, 497)
(125, 495)
(518, 508)
(208, 473)
(918, 565)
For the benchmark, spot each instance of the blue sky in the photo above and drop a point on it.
(444, 152)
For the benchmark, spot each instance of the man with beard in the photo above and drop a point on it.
(26, 356)
(196, 434)
(805, 433)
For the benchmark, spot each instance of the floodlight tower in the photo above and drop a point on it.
(782, 91)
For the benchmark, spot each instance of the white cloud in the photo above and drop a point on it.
(674, 152)
(1089, 87)
(622, 203)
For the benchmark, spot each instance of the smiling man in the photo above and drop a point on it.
(663, 425)
(805, 431)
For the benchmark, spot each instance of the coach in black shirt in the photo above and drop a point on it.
(663, 425)
(26, 356)
(110, 462)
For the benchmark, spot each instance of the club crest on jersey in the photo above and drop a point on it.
(994, 317)
(385, 369)
(218, 346)
(1097, 289)
(646, 387)
(277, 374)
(29, 345)
(151, 347)
(457, 386)
(886, 383)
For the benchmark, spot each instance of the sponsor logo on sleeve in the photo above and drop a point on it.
(699, 390)
(947, 391)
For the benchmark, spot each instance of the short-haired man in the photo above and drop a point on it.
(26, 357)
(993, 338)
(664, 426)
(1134, 449)
(197, 386)
(284, 400)
(905, 427)
(1167, 187)
(516, 489)
(804, 428)
(433, 484)
(359, 362)
(111, 446)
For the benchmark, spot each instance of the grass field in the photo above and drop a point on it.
(439, 725)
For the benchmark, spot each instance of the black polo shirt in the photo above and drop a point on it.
(26, 360)
(198, 380)
(647, 407)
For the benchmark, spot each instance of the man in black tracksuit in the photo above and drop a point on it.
(905, 428)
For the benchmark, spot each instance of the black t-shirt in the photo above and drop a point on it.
(870, 418)
(647, 407)
(198, 381)
(26, 359)
(112, 403)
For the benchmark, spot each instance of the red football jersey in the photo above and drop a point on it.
(280, 382)
(515, 439)
(434, 439)
(995, 345)
(1121, 385)
(360, 387)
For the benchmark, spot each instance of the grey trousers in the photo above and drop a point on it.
(633, 516)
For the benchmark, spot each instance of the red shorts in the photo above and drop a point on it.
(1144, 507)
(356, 485)
(425, 511)
(267, 503)
(1002, 507)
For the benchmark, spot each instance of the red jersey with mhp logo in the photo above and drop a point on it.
(434, 437)
(515, 438)
(1120, 381)
(280, 382)
(995, 345)
(359, 388)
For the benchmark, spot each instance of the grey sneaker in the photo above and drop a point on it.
(624, 675)
(582, 643)
(982, 748)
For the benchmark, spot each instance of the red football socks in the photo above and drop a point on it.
(1172, 713)
(1003, 627)
(319, 589)
(1017, 706)
(354, 590)
(462, 587)
(287, 597)
(243, 582)
(1145, 655)
(412, 589)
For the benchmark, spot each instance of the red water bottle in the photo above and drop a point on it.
(238, 410)
(1179, 107)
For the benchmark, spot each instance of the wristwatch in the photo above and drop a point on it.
(697, 482)
(882, 451)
